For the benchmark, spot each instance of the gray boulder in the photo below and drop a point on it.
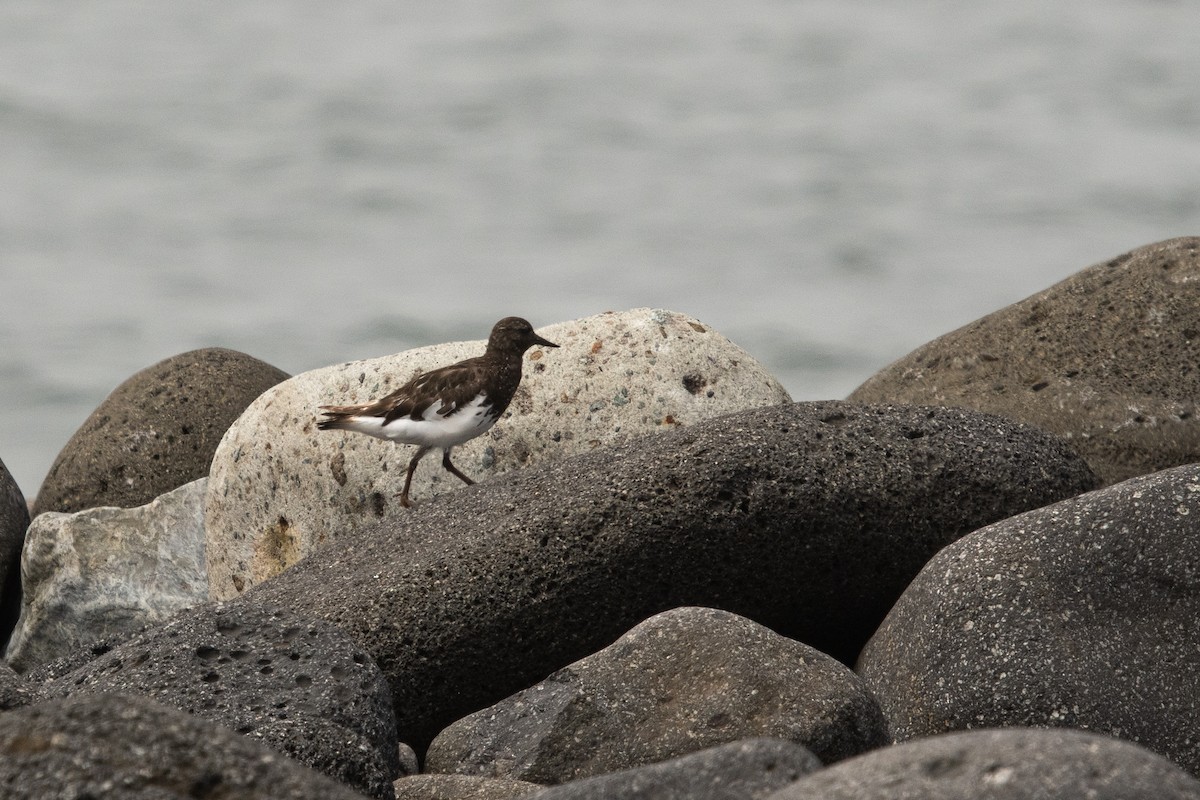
(280, 488)
(14, 519)
(300, 686)
(681, 681)
(808, 518)
(1106, 359)
(108, 571)
(155, 432)
(1084, 614)
(745, 770)
(113, 746)
(15, 691)
(1012, 764)
(461, 787)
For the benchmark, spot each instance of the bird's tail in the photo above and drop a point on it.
(336, 418)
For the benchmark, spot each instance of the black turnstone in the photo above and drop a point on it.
(446, 406)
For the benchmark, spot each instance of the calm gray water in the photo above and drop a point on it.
(830, 184)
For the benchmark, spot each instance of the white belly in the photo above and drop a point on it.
(433, 430)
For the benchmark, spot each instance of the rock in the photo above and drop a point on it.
(110, 746)
(155, 432)
(14, 519)
(53, 670)
(15, 691)
(1106, 359)
(462, 787)
(300, 686)
(280, 488)
(745, 770)
(808, 518)
(1013, 764)
(681, 681)
(108, 571)
(1083, 614)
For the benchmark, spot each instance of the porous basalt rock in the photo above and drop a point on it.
(301, 686)
(111, 745)
(743, 770)
(1107, 359)
(681, 681)
(1011, 764)
(1083, 614)
(155, 432)
(809, 518)
(14, 520)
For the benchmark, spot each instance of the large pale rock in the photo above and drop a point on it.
(114, 746)
(681, 681)
(1013, 764)
(298, 685)
(14, 519)
(108, 571)
(809, 518)
(154, 432)
(1083, 614)
(280, 488)
(1106, 359)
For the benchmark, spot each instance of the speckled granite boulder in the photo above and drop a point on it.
(280, 487)
(1107, 359)
(1013, 764)
(1084, 614)
(681, 681)
(155, 432)
(106, 571)
(809, 518)
(300, 686)
(113, 746)
(745, 770)
(14, 519)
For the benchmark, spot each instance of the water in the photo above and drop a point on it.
(829, 184)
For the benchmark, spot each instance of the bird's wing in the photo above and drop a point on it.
(454, 386)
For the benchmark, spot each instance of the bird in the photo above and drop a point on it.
(447, 406)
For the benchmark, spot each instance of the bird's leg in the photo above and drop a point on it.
(412, 467)
(453, 469)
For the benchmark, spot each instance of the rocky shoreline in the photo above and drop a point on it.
(979, 576)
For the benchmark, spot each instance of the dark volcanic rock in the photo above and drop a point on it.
(1013, 764)
(15, 691)
(462, 787)
(745, 770)
(14, 520)
(1107, 359)
(683, 680)
(157, 431)
(112, 746)
(1084, 614)
(73, 661)
(302, 687)
(808, 518)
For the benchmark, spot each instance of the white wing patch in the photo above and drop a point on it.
(433, 430)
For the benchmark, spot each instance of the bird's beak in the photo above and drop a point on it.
(543, 342)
